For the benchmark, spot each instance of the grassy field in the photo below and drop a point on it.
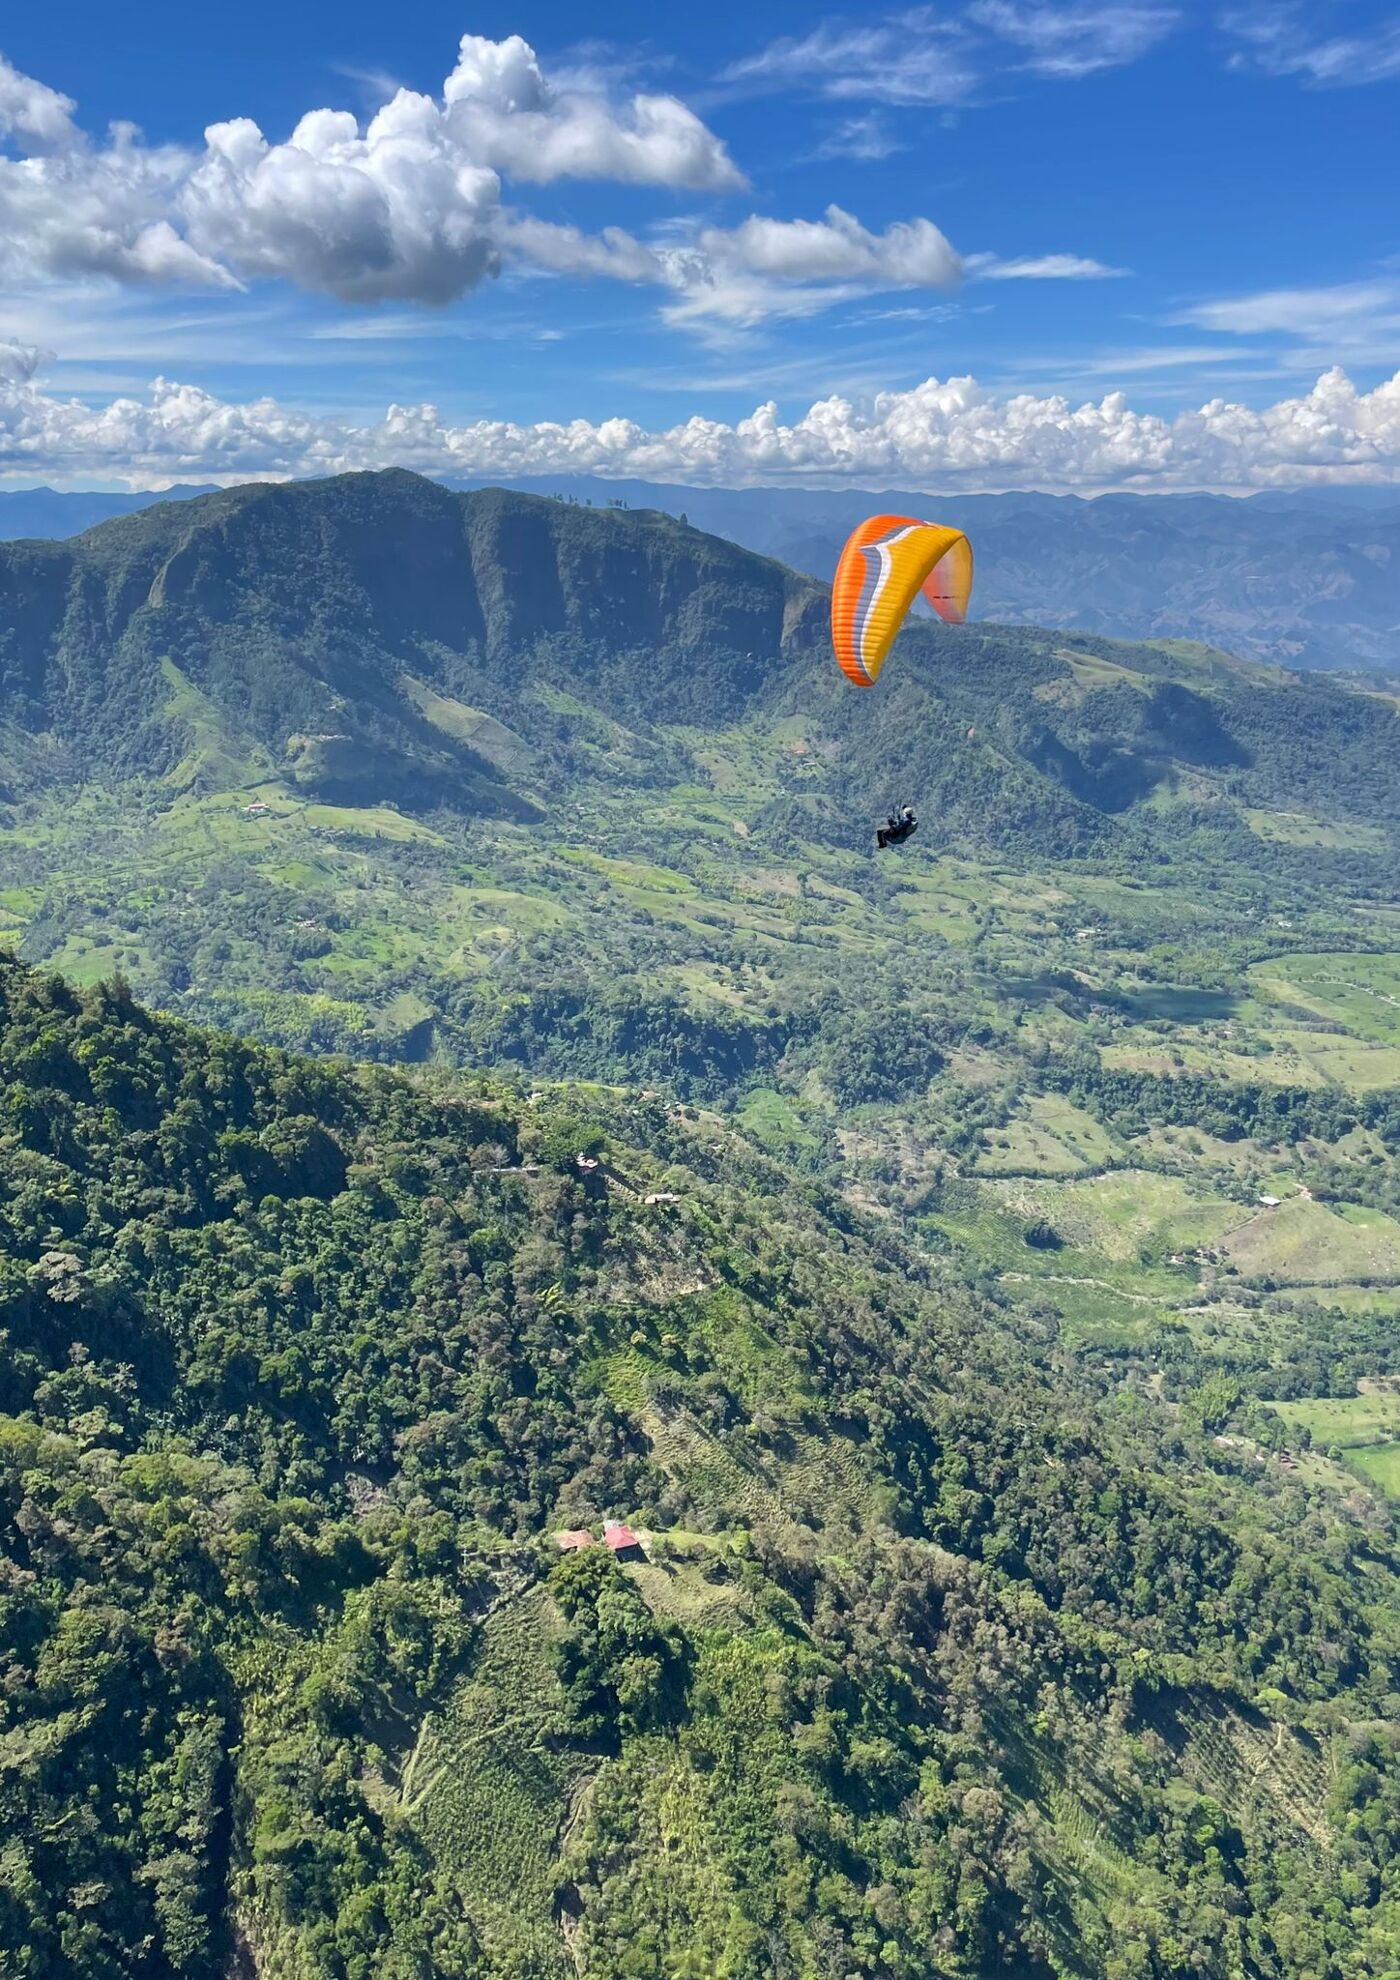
(1365, 1428)
(1381, 1464)
(1296, 828)
(1129, 1217)
(1347, 1299)
(1306, 1243)
(1048, 1137)
(1360, 993)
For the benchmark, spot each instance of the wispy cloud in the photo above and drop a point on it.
(1040, 268)
(1152, 358)
(373, 86)
(866, 138)
(1290, 40)
(913, 57)
(401, 326)
(923, 56)
(1302, 312)
(1075, 41)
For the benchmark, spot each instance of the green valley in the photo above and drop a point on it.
(986, 1308)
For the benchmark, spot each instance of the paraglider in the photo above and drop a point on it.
(887, 562)
(899, 826)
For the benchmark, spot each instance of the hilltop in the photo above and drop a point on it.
(939, 1658)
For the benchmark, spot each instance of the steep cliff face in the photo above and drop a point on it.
(299, 610)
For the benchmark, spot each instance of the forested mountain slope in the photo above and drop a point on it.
(348, 638)
(314, 627)
(943, 1657)
(1310, 578)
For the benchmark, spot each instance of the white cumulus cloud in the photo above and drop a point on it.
(949, 433)
(501, 111)
(414, 205)
(408, 207)
(34, 117)
(79, 210)
(396, 212)
(18, 362)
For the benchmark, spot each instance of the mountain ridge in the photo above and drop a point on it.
(1308, 577)
(357, 630)
(300, 604)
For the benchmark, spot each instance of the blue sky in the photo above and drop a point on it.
(611, 240)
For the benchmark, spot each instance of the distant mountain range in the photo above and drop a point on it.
(1309, 579)
(59, 512)
(379, 637)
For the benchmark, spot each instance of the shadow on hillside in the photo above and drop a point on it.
(1178, 1002)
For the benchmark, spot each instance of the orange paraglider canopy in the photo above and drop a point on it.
(887, 562)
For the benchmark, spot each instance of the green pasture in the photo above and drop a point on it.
(1381, 1464)
(1298, 828)
(1360, 993)
(1347, 1299)
(1131, 1217)
(1364, 1427)
(1048, 1137)
(1308, 1243)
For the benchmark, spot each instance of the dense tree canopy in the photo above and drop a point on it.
(300, 1369)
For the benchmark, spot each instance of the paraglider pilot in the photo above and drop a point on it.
(897, 828)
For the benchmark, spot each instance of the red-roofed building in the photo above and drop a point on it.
(576, 1537)
(620, 1537)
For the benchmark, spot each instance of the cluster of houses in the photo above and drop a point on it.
(618, 1538)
